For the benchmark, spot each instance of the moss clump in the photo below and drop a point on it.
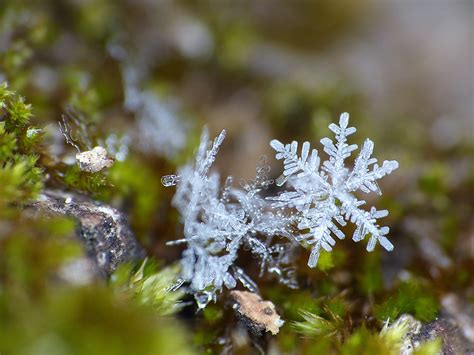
(87, 320)
(150, 286)
(40, 313)
(370, 276)
(411, 297)
(94, 183)
(20, 177)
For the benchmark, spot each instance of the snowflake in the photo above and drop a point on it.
(323, 196)
(221, 222)
(218, 222)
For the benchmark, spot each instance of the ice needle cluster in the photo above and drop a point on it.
(219, 222)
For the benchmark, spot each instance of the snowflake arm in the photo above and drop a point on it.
(319, 220)
(363, 179)
(294, 163)
(366, 223)
(205, 158)
(340, 151)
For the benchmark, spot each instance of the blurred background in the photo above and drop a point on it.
(147, 75)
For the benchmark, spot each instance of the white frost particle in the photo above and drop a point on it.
(31, 132)
(93, 161)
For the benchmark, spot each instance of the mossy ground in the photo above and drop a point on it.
(255, 80)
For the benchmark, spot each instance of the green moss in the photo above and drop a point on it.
(32, 253)
(40, 314)
(143, 195)
(316, 326)
(95, 183)
(429, 348)
(88, 320)
(411, 297)
(150, 286)
(370, 275)
(434, 180)
(366, 342)
(325, 261)
(20, 177)
(213, 313)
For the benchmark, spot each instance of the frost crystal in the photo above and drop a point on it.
(323, 196)
(160, 125)
(220, 222)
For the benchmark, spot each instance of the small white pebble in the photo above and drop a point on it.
(94, 160)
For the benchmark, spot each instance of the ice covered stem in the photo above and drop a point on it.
(323, 196)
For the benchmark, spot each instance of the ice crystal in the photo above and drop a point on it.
(221, 222)
(324, 195)
(218, 222)
(161, 126)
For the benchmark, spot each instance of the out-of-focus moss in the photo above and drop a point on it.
(434, 184)
(450, 230)
(86, 182)
(325, 261)
(142, 195)
(41, 314)
(370, 275)
(31, 253)
(95, 19)
(412, 297)
(235, 47)
(293, 108)
(150, 286)
(363, 341)
(88, 320)
(22, 29)
(213, 313)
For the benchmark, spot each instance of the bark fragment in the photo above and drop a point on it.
(257, 315)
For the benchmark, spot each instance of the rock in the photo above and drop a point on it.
(108, 239)
(444, 328)
(462, 312)
(257, 315)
